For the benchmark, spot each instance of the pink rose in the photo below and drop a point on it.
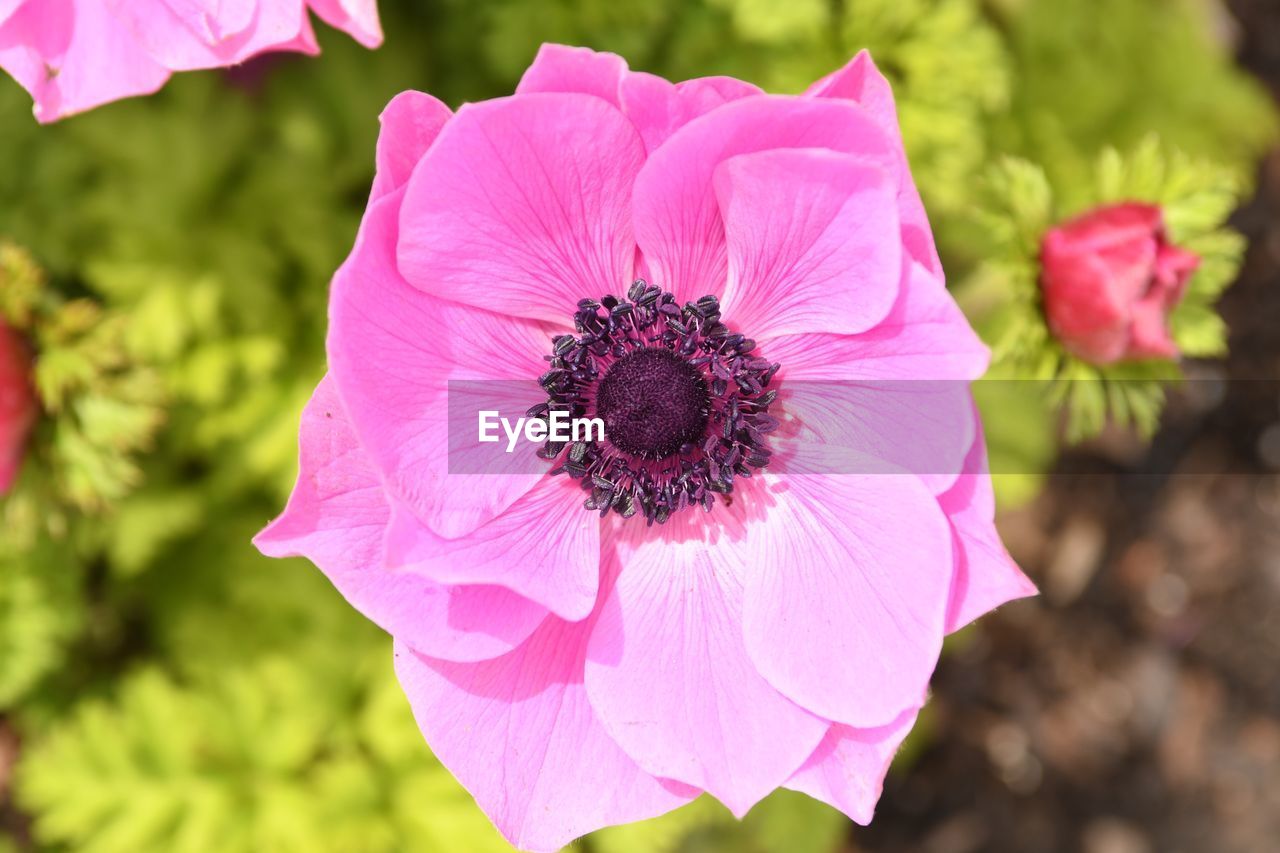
(1110, 279)
(744, 585)
(18, 405)
(73, 55)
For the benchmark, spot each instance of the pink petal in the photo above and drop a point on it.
(677, 218)
(336, 518)
(898, 393)
(1131, 267)
(986, 575)
(521, 736)
(846, 594)
(560, 68)
(658, 108)
(213, 19)
(848, 768)
(19, 408)
(183, 36)
(862, 83)
(1086, 307)
(411, 121)
(1110, 227)
(925, 337)
(356, 18)
(304, 42)
(73, 55)
(922, 428)
(393, 351)
(8, 7)
(669, 675)
(523, 204)
(1174, 266)
(1149, 330)
(813, 242)
(544, 547)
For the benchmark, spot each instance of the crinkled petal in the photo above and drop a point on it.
(561, 68)
(522, 737)
(677, 217)
(986, 576)
(668, 671)
(187, 35)
(544, 547)
(212, 19)
(337, 517)
(925, 337)
(846, 592)
(393, 351)
(356, 18)
(898, 393)
(812, 240)
(73, 55)
(523, 206)
(411, 121)
(659, 108)
(848, 768)
(920, 427)
(862, 83)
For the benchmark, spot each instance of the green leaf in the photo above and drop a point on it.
(41, 610)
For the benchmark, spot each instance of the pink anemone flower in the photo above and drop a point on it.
(744, 585)
(73, 55)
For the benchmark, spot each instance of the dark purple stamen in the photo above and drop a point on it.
(685, 404)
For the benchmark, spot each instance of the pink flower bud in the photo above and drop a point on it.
(1110, 279)
(17, 404)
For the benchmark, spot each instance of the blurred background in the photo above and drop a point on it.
(164, 688)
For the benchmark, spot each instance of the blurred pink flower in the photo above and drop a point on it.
(73, 55)
(18, 405)
(701, 601)
(1110, 278)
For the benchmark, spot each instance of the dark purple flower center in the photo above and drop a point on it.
(653, 402)
(685, 404)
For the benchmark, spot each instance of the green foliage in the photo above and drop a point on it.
(236, 736)
(784, 822)
(952, 75)
(949, 70)
(254, 759)
(948, 65)
(103, 406)
(1094, 74)
(1019, 425)
(41, 609)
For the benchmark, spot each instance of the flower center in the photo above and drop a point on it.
(653, 402)
(685, 404)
